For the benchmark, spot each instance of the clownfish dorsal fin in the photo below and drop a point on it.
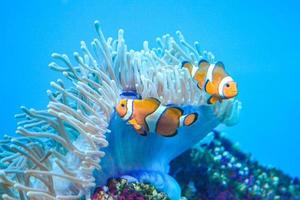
(151, 103)
(171, 105)
(212, 100)
(176, 110)
(220, 64)
(203, 63)
(219, 71)
(153, 99)
(187, 65)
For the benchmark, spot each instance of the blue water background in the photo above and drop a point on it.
(257, 40)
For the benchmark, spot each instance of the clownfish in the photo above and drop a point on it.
(213, 79)
(149, 115)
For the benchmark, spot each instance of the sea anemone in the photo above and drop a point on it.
(58, 152)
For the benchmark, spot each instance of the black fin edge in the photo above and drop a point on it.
(184, 62)
(201, 61)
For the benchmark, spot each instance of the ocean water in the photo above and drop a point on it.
(257, 41)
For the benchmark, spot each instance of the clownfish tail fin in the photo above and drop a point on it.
(184, 63)
(188, 120)
(188, 66)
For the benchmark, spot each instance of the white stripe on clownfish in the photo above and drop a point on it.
(194, 70)
(209, 74)
(181, 120)
(224, 81)
(129, 109)
(154, 117)
(209, 79)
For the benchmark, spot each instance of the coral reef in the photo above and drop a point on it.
(58, 152)
(121, 189)
(216, 169)
(219, 170)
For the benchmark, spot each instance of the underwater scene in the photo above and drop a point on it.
(149, 100)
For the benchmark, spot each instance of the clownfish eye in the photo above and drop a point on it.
(227, 85)
(122, 105)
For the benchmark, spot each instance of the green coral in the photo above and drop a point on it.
(121, 189)
(220, 170)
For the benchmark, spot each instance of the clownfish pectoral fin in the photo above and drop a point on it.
(187, 65)
(212, 100)
(134, 123)
(209, 87)
(138, 128)
(188, 120)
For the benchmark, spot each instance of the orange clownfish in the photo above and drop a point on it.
(213, 79)
(149, 115)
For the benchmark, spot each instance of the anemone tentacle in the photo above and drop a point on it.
(58, 152)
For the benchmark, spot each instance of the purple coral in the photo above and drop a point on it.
(239, 178)
(120, 189)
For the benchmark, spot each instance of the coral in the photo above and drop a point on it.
(219, 170)
(58, 152)
(121, 189)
